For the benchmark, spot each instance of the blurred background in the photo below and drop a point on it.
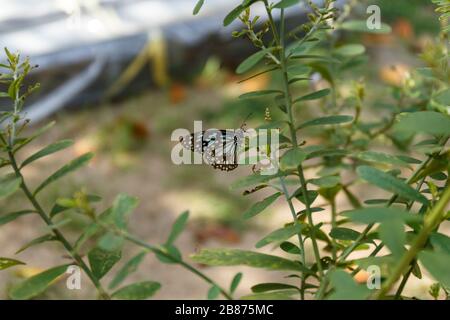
(119, 76)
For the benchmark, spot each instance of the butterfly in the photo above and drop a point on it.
(220, 148)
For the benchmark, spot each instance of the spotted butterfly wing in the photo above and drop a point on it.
(220, 148)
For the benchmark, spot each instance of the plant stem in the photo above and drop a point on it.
(432, 219)
(56, 232)
(300, 239)
(185, 265)
(288, 101)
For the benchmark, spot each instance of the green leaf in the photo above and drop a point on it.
(292, 159)
(260, 206)
(279, 235)
(213, 292)
(379, 157)
(440, 242)
(198, 6)
(345, 288)
(361, 26)
(44, 238)
(251, 61)
(13, 216)
(437, 264)
(283, 4)
(233, 15)
(122, 208)
(177, 228)
(235, 257)
(264, 287)
(290, 248)
(9, 184)
(137, 291)
(175, 255)
(430, 122)
(52, 148)
(390, 183)
(101, 261)
(129, 267)
(327, 183)
(235, 282)
(37, 133)
(393, 235)
(71, 166)
(6, 263)
(330, 120)
(36, 284)
(381, 214)
(344, 234)
(258, 94)
(254, 180)
(110, 242)
(350, 50)
(314, 96)
(276, 295)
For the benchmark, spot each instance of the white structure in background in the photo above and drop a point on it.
(58, 33)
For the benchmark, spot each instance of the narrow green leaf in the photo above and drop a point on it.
(381, 214)
(213, 292)
(437, 264)
(4, 219)
(393, 235)
(71, 166)
(251, 61)
(271, 286)
(235, 257)
(36, 134)
(430, 122)
(326, 183)
(254, 180)
(279, 235)
(283, 4)
(260, 206)
(235, 282)
(177, 228)
(330, 120)
(101, 261)
(6, 263)
(48, 150)
(390, 183)
(9, 184)
(129, 267)
(378, 157)
(276, 295)
(314, 96)
(290, 248)
(198, 6)
(292, 159)
(258, 94)
(440, 242)
(122, 207)
(361, 26)
(44, 238)
(137, 291)
(110, 242)
(344, 234)
(350, 50)
(233, 15)
(36, 284)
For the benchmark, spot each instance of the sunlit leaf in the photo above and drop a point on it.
(137, 291)
(36, 284)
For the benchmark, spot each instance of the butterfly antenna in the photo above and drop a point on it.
(248, 117)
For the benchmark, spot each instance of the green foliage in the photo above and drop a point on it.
(412, 170)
